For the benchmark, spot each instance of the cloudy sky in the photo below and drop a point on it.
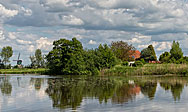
(30, 24)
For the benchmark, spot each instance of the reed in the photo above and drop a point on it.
(150, 69)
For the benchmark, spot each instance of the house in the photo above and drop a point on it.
(135, 54)
(131, 63)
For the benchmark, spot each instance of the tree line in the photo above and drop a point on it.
(37, 60)
(69, 58)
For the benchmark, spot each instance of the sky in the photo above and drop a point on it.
(27, 25)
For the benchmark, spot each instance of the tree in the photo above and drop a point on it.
(165, 57)
(6, 53)
(33, 61)
(90, 59)
(38, 57)
(148, 54)
(43, 62)
(122, 50)
(105, 57)
(66, 57)
(176, 51)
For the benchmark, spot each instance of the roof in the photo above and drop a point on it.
(136, 54)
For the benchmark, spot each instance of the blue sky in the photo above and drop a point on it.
(30, 24)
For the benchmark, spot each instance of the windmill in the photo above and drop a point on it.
(19, 62)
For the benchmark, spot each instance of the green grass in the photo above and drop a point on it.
(23, 71)
(150, 69)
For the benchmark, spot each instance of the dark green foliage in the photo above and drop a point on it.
(175, 55)
(181, 61)
(6, 53)
(90, 61)
(125, 63)
(143, 61)
(122, 50)
(2, 66)
(148, 54)
(164, 57)
(67, 57)
(105, 58)
(176, 51)
(138, 64)
(38, 57)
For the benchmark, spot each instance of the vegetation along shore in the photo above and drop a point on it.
(68, 57)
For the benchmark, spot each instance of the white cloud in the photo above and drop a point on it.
(92, 42)
(23, 41)
(26, 12)
(164, 46)
(6, 12)
(12, 35)
(72, 20)
(31, 48)
(44, 44)
(135, 40)
(159, 46)
(2, 36)
(142, 46)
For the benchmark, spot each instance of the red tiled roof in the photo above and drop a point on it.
(136, 54)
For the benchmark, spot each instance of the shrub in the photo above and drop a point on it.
(125, 63)
(143, 61)
(138, 64)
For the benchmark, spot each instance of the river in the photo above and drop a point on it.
(32, 93)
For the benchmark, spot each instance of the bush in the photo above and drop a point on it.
(125, 63)
(2, 66)
(138, 64)
(143, 61)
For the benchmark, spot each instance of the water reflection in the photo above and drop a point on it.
(70, 92)
(76, 93)
(5, 85)
(176, 89)
(37, 82)
(149, 89)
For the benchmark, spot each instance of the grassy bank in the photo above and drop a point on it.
(150, 69)
(23, 71)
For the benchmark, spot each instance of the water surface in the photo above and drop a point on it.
(28, 93)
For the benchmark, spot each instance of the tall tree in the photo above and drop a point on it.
(122, 50)
(38, 57)
(148, 54)
(33, 61)
(105, 57)
(66, 57)
(176, 51)
(6, 53)
(43, 62)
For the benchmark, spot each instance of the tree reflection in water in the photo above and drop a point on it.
(5, 85)
(149, 89)
(37, 82)
(69, 92)
(176, 89)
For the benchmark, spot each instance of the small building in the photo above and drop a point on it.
(135, 54)
(155, 62)
(131, 63)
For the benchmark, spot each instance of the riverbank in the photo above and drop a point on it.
(149, 69)
(23, 71)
